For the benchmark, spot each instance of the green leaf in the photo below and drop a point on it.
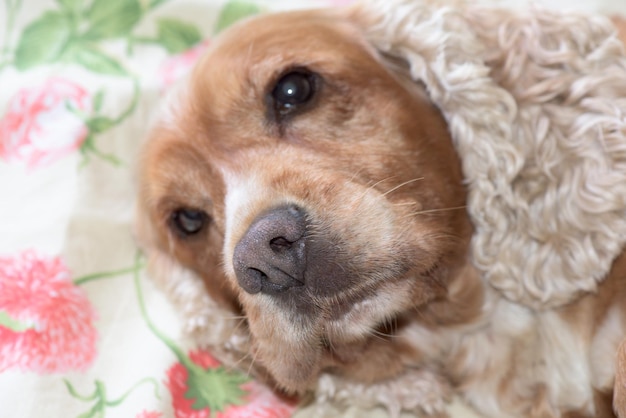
(98, 98)
(234, 11)
(13, 324)
(214, 388)
(94, 60)
(72, 390)
(100, 124)
(177, 36)
(112, 18)
(89, 147)
(43, 40)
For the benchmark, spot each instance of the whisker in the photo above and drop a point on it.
(439, 210)
(372, 187)
(419, 312)
(380, 181)
(427, 211)
(249, 372)
(406, 204)
(402, 185)
(355, 174)
(234, 317)
(240, 323)
(235, 365)
(383, 336)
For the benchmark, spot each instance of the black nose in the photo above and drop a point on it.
(271, 256)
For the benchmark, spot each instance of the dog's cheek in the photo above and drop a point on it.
(206, 260)
(219, 288)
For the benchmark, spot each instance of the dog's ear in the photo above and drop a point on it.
(535, 106)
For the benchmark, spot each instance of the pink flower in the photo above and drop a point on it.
(177, 66)
(150, 414)
(41, 124)
(46, 322)
(237, 396)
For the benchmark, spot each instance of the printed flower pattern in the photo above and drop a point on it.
(232, 395)
(43, 123)
(46, 322)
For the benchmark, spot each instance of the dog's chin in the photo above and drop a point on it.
(286, 346)
(293, 370)
(294, 347)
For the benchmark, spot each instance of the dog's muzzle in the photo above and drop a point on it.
(272, 255)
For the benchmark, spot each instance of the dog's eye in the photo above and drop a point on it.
(189, 221)
(293, 89)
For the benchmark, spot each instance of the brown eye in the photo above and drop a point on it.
(189, 221)
(292, 90)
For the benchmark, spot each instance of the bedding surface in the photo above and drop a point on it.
(83, 331)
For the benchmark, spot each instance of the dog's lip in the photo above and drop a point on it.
(307, 296)
(285, 282)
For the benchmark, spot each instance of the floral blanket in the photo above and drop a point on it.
(83, 332)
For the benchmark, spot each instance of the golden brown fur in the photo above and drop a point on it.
(371, 162)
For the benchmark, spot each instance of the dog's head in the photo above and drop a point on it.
(309, 184)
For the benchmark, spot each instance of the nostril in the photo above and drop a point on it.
(280, 244)
(269, 284)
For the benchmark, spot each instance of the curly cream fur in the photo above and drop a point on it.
(415, 390)
(536, 103)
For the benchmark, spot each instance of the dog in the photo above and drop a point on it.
(395, 202)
